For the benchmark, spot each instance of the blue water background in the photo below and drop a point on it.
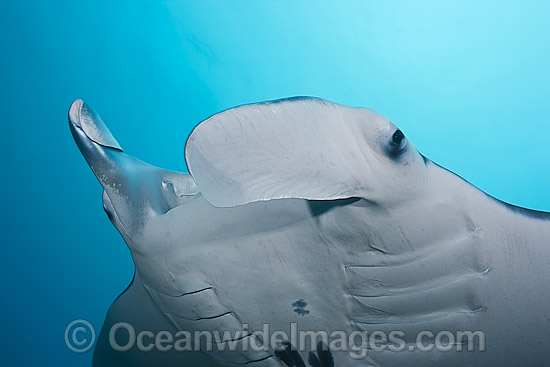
(467, 81)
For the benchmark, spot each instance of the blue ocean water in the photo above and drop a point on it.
(467, 81)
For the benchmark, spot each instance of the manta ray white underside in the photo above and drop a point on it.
(305, 212)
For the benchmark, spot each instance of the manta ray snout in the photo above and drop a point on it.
(133, 189)
(98, 146)
(83, 117)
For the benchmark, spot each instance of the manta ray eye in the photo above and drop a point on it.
(397, 142)
(397, 137)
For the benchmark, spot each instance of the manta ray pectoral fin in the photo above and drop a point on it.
(135, 312)
(133, 189)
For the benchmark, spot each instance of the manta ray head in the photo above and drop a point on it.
(300, 148)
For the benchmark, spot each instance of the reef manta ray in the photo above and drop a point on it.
(308, 212)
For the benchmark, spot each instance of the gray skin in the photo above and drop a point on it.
(304, 211)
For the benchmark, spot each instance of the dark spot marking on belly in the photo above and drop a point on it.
(300, 307)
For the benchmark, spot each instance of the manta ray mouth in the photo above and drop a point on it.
(83, 117)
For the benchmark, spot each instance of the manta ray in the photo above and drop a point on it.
(303, 213)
